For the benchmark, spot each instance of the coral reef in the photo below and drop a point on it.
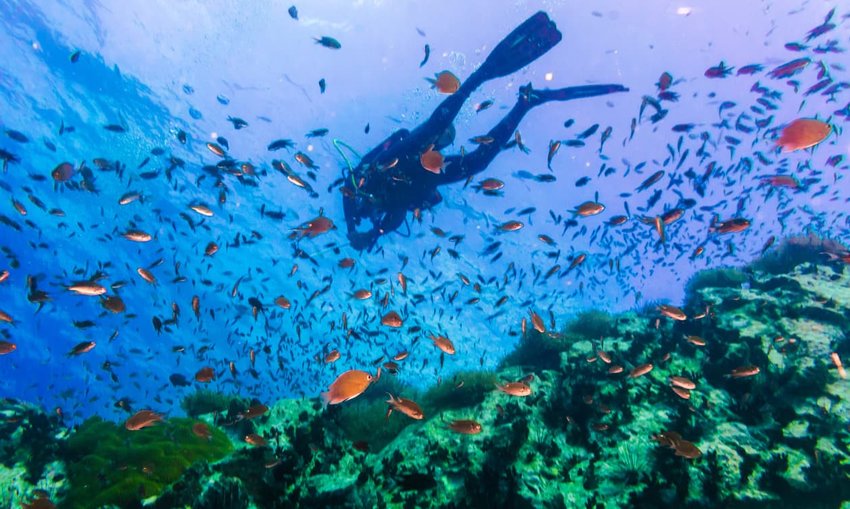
(108, 464)
(738, 405)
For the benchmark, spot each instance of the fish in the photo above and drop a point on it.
(465, 426)
(293, 12)
(392, 319)
(432, 161)
(803, 133)
(672, 312)
(640, 370)
(445, 82)
(205, 375)
(81, 348)
(201, 430)
(142, 419)
(519, 389)
(347, 386)
(589, 208)
(719, 71)
(744, 372)
(427, 55)
(328, 42)
(405, 406)
(444, 344)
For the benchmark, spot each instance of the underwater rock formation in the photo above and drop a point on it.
(737, 404)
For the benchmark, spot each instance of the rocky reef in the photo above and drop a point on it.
(736, 399)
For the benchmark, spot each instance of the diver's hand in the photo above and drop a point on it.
(364, 240)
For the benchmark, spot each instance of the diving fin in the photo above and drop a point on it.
(534, 37)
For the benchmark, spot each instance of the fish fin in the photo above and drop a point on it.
(326, 398)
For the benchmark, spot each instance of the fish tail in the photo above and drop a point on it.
(326, 399)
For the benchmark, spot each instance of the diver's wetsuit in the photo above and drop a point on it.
(390, 180)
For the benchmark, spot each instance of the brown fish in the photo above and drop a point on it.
(7, 347)
(672, 312)
(201, 430)
(744, 372)
(641, 370)
(205, 375)
(392, 319)
(515, 389)
(405, 406)
(142, 419)
(465, 427)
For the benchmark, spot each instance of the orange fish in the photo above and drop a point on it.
(834, 356)
(802, 134)
(202, 209)
(640, 370)
(695, 340)
(205, 375)
(201, 430)
(255, 411)
(681, 392)
(137, 236)
(604, 357)
(347, 386)
(672, 312)
(81, 348)
(6, 347)
(589, 208)
(445, 82)
(684, 383)
(6, 317)
(346, 263)
(431, 160)
(444, 344)
(282, 302)
(332, 356)
(362, 294)
(4, 275)
(391, 319)
(465, 427)
(255, 440)
(511, 226)
(537, 323)
(402, 280)
(315, 227)
(744, 372)
(405, 406)
(400, 356)
(615, 370)
(146, 275)
(142, 419)
(515, 389)
(211, 249)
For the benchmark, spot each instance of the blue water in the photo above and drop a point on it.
(157, 69)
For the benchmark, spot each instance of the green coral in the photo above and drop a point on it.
(448, 395)
(204, 401)
(108, 464)
(726, 277)
(535, 349)
(592, 324)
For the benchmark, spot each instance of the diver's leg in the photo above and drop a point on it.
(462, 167)
(525, 44)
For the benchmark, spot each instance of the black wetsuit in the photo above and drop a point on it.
(390, 180)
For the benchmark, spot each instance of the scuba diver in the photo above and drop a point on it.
(393, 178)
